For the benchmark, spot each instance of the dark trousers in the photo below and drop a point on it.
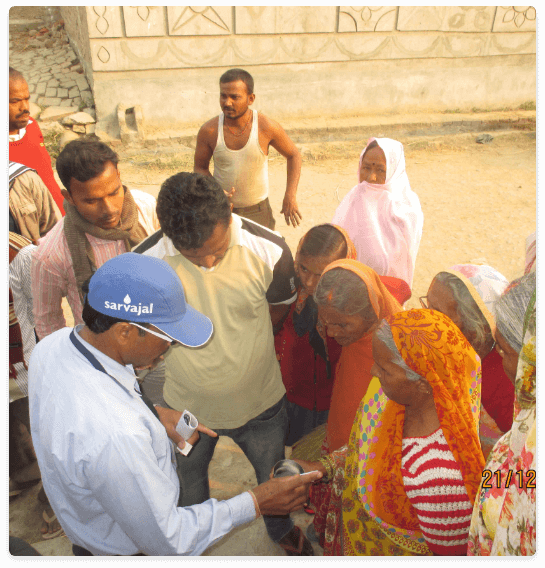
(262, 441)
(259, 213)
(302, 421)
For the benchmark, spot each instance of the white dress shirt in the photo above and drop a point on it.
(107, 464)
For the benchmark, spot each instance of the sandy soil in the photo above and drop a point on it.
(479, 201)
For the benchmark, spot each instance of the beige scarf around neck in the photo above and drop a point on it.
(76, 227)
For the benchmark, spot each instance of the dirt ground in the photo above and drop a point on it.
(479, 200)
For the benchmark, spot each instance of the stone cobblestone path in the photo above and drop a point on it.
(41, 52)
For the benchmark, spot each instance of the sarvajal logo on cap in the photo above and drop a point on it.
(128, 307)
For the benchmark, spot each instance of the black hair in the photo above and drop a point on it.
(374, 144)
(189, 207)
(15, 75)
(84, 160)
(239, 75)
(98, 322)
(324, 240)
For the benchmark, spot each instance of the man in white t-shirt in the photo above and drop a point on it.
(240, 275)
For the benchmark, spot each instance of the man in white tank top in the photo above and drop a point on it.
(239, 141)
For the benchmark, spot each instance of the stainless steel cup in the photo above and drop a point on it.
(285, 468)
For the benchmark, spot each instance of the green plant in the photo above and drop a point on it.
(528, 105)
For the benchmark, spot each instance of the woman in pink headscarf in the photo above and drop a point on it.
(381, 214)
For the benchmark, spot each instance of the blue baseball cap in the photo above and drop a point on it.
(144, 289)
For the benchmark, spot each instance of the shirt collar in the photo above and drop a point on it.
(20, 134)
(236, 237)
(124, 375)
(236, 231)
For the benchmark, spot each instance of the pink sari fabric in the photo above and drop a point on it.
(384, 221)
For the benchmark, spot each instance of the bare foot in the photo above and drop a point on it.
(53, 526)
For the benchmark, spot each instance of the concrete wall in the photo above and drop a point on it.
(306, 60)
(76, 26)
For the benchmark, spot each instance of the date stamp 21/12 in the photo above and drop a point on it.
(522, 479)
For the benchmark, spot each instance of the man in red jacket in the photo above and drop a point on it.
(26, 141)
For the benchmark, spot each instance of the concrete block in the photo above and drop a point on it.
(52, 127)
(78, 118)
(56, 113)
(285, 19)
(62, 93)
(73, 93)
(80, 128)
(53, 83)
(50, 92)
(131, 123)
(67, 103)
(68, 136)
(51, 101)
(90, 128)
(40, 100)
(91, 111)
(34, 98)
(81, 82)
(200, 20)
(76, 101)
(65, 65)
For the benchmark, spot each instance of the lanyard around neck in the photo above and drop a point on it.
(98, 366)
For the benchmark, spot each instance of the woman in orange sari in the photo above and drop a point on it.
(389, 496)
(351, 299)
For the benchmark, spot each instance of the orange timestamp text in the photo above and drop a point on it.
(521, 479)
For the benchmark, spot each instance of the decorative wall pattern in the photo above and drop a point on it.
(515, 18)
(446, 18)
(157, 37)
(199, 20)
(285, 19)
(367, 18)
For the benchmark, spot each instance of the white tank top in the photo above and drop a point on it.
(246, 169)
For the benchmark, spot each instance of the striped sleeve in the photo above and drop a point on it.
(49, 284)
(435, 487)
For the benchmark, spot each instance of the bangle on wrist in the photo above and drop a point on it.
(329, 465)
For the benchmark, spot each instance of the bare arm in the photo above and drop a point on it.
(278, 315)
(204, 150)
(281, 142)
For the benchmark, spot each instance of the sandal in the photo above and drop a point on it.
(304, 548)
(49, 520)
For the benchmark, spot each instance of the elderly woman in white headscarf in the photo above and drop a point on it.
(466, 293)
(504, 517)
(381, 214)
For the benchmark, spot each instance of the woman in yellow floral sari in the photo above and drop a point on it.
(504, 517)
(433, 385)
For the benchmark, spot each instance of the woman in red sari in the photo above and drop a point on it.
(307, 357)
(307, 362)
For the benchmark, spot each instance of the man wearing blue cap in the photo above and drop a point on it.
(107, 464)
